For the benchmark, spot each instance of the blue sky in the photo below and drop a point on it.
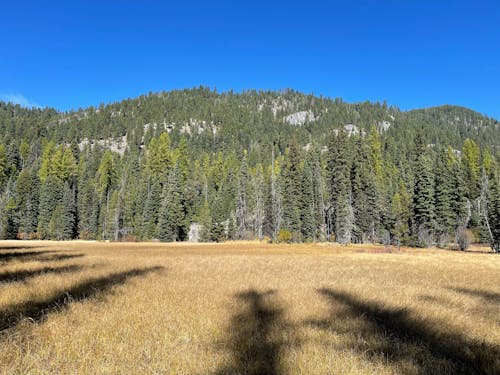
(413, 54)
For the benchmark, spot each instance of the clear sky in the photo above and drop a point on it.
(412, 53)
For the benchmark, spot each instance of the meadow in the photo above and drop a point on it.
(246, 308)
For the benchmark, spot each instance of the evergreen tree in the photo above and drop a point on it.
(27, 186)
(423, 202)
(470, 161)
(340, 189)
(445, 218)
(307, 203)
(68, 216)
(242, 212)
(3, 167)
(493, 211)
(401, 214)
(106, 177)
(291, 186)
(8, 218)
(51, 195)
(159, 156)
(150, 212)
(171, 222)
(460, 205)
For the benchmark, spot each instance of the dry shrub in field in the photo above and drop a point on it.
(464, 239)
(284, 236)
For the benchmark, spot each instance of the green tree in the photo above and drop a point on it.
(151, 210)
(493, 211)
(3, 166)
(443, 195)
(401, 214)
(291, 178)
(423, 202)
(172, 214)
(470, 160)
(51, 195)
(307, 202)
(340, 189)
(242, 209)
(106, 177)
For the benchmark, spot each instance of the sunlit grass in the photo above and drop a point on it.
(246, 307)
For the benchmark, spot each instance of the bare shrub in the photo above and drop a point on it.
(464, 239)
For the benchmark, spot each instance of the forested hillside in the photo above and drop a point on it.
(282, 165)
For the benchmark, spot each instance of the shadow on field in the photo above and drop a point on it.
(253, 335)
(24, 247)
(485, 295)
(37, 310)
(59, 257)
(22, 255)
(21, 275)
(38, 256)
(395, 335)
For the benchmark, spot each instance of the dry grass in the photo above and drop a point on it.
(77, 307)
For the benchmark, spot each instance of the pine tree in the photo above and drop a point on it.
(150, 211)
(493, 211)
(88, 210)
(365, 200)
(445, 223)
(3, 167)
(275, 217)
(171, 222)
(258, 206)
(291, 186)
(401, 214)
(45, 167)
(242, 213)
(27, 188)
(344, 217)
(106, 177)
(8, 220)
(51, 194)
(68, 214)
(114, 219)
(218, 219)
(340, 189)
(423, 201)
(460, 204)
(307, 203)
(470, 161)
(159, 156)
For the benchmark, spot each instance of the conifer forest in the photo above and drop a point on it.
(283, 166)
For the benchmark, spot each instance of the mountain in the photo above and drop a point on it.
(292, 167)
(213, 121)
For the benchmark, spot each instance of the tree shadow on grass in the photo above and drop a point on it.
(486, 295)
(22, 255)
(36, 310)
(22, 275)
(395, 335)
(253, 335)
(59, 257)
(22, 247)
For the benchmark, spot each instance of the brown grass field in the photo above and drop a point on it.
(246, 308)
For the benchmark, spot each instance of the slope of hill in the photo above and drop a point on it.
(293, 167)
(213, 121)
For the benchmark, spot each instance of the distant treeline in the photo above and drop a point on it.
(247, 173)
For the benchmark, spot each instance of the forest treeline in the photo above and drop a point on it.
(231, 166)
